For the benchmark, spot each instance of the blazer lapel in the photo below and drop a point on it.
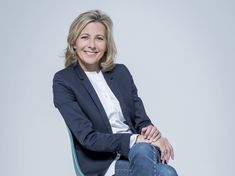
(87, 84)
(113, 84)
(114, 87)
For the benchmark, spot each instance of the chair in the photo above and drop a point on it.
(74, 155)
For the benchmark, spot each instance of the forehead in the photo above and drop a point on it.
(96, 28)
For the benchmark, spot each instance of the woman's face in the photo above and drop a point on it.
(91, 45)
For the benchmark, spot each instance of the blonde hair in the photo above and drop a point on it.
(107, 61)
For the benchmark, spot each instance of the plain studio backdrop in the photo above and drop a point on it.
(180, 53)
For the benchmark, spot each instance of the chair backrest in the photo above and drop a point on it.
(74, 155)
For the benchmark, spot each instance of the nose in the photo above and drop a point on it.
(91, 44)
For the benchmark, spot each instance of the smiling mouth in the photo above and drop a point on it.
(90, 52)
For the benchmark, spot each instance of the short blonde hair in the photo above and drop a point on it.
(107, 61)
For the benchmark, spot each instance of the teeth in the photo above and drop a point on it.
(90, 53)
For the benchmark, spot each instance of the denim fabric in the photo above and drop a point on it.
(144, 160)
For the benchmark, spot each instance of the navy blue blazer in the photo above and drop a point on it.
(85, 116)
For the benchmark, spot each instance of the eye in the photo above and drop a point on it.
(84, 37)
(100, 38)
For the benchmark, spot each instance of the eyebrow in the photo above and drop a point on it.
(89, 34)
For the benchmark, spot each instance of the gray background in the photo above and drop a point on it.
(180, 53)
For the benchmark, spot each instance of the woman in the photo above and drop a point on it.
(99, 103)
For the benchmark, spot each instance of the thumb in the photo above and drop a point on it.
(143, 130)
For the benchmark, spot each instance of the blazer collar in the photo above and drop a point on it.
(79, 71)
(82, 74)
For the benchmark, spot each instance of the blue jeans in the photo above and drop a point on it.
(143, 160)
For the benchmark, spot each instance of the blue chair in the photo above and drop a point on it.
(74, 155)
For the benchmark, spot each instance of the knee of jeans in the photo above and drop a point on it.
(143, 150)
(170, 171)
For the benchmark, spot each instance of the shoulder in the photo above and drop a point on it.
(64, 71)
(121, 74)
(66, 77)
(120, 69)
(120, 66)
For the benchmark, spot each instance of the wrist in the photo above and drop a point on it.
(141, 138)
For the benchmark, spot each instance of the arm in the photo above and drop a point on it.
(78, 122)
(148, 133)
(142, 121)
(140, 117)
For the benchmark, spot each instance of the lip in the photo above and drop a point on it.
(91, 52)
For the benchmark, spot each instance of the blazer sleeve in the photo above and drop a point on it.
(81, 126)
(140, 118)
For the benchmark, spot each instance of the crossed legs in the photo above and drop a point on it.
(144, 160)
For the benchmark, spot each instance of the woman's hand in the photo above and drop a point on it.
(163, 144)
(151, 133)
(141, 138)
(166, 149)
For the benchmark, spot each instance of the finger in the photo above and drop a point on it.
(146, 134)
(172, 152)
(171, 149)
(156, 137)
(163, 152)
(162, 156)
(143, 130)
(154, 131)
(168, 153)
(152, 139)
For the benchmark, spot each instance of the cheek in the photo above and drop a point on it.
(78, 48)
(78, 45)
(104, 47)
